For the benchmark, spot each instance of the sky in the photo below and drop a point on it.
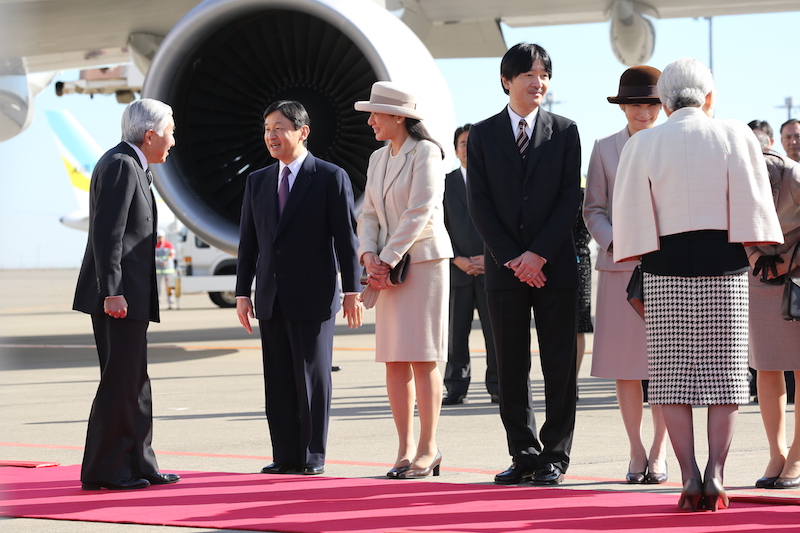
(754, 66)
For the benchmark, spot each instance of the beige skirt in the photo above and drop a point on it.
(411, 319)
(774, 342)
(620, 346)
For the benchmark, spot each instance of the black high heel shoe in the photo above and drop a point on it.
(413, 473)
(766, 482)
(715, 497)
(635, 478)
(691, 495)
(395, 472)
(656, 478)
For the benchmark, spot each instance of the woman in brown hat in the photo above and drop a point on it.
(403, 214)
(620, 350)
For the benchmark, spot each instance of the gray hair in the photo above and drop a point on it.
(685, 83)
(142, 115)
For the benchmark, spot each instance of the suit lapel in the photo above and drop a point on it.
(270, 197)
(461, 188)
(406, 152)
(507, 142)
(299, 189)
(542, 132)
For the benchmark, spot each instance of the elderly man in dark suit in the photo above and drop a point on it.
(294, 230)
(117, 287)
(524, 191)
(466, 284)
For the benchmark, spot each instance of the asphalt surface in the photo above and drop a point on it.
(209, 403)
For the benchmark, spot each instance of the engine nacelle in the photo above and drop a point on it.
(16, 100)
(227, 60)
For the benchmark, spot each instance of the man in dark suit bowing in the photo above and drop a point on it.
(117, 286)
(466, 284)
(524, 189)
(297, 222)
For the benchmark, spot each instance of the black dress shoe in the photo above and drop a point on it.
(766, 482)
(787, 482)
(547, 475)
(162, 479)
(313, 470)
(453, 398)
(494, 397)
(277, 468)
(128, 483)
(514, 475)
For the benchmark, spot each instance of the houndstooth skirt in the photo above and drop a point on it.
(697, 339)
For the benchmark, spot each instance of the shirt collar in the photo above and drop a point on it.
(530, 119)
(142, 158)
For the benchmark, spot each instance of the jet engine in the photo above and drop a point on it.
(227, 60)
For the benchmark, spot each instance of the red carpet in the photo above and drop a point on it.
(303, 504)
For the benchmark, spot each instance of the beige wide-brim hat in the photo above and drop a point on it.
(386, 97)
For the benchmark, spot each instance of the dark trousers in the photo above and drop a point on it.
(463, 302)
(297, 384)
(555, 314)
(120, 431)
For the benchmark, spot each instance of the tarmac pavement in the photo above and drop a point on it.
(208, 403)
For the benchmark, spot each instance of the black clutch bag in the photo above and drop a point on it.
(636, 290)
(790, 306)
(398, 274)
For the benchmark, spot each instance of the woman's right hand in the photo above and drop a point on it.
(377, 270)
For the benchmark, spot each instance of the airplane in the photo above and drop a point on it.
(220, 62)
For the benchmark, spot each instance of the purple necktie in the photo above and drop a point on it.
(283, 189)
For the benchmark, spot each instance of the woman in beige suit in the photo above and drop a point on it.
(620, 350)
(403, 214)
(689, 194)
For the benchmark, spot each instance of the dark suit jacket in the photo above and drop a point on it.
(520, 206)
(120, 252)
(294, 259)
(463, 235)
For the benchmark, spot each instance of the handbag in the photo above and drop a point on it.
(790, 306)
(398, 274)
(636, 290)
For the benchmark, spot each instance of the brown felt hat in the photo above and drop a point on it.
(637, 85)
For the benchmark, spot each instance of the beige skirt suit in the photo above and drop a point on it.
(620, 347)
(403, 213)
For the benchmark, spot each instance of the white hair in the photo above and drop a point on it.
(142, 115)
(684, 83)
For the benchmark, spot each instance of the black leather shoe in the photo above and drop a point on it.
(453, 398)
(313, 470)
(495, 397)
(787, 482)
(548, 475)
(162, 479)
(766, 482)
(276, 468)
(514, 475)
(128, 483)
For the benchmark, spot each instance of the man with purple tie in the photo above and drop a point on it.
(297, 225)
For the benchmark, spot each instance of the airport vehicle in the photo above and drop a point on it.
(220, 62)
(201, 267)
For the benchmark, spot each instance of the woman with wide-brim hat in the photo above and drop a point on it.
(620, 351)
(403, 214)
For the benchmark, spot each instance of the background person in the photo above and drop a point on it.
(165, 267)
(790, 138)
(620, 350)
(775, 342)
(117, 287)
(524, 193)
(467, 290)
(402, 214)
(294, 230)
(688, 194)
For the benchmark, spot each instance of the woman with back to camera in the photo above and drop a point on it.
(403, 214)
(689, 194)
(775, 342)
(620, 350)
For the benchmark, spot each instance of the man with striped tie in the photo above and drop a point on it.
(523, 192)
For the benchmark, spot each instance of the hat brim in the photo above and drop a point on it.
(633, 100)
(387, 109)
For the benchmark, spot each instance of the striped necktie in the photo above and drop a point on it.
(149, 176)
(522, 138)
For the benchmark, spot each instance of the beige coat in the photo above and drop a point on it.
(692, 173)
(599, 192)
(403, 211)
